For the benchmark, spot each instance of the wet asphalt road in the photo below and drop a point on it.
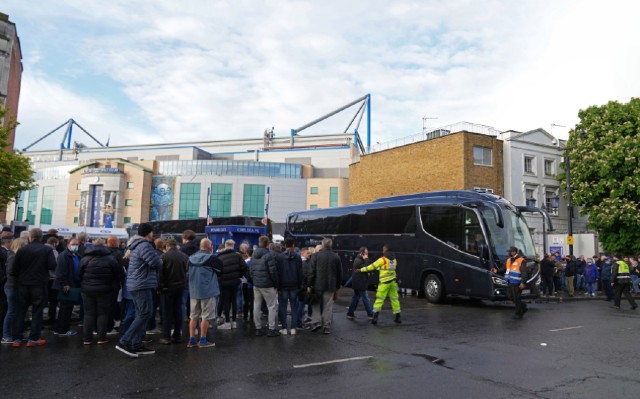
(463, 349)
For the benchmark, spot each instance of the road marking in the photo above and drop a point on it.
(563, 329)
(300, 366)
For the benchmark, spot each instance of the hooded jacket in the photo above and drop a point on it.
(590, 273)
(264, 271)
(233, 267)
(99, 271)
(144, 264)
(203, 282)
(289, 265)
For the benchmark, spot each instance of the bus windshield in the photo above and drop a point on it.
(515, 233)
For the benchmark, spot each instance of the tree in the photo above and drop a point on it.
(604, 151)
(16, 174)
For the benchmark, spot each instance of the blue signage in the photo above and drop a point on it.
(102, 170)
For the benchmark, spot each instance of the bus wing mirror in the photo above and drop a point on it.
(543, 212)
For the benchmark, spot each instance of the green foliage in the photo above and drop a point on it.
(16, 174)
(604, 150)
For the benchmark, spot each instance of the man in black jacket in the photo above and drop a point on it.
(289, 265)
(264, 274)
(324, 282)
(173, 279)
(233, 269)
(360, 283)
(31, 271)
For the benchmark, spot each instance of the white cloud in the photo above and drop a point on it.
(230, 69)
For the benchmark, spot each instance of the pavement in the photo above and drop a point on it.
(462, 349)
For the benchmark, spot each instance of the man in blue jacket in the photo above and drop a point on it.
(203, 290)
(142, 281)
(289, 265)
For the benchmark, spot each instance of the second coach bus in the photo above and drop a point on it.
(446, 242)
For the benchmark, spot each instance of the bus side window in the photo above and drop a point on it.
(444, 223)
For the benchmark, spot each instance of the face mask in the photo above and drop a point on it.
(74, 248)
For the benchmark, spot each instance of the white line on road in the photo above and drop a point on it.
(568, 328)
(300, 366)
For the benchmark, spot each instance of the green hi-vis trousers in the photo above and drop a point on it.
(390, 290)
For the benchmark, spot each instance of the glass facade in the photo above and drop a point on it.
(32, 205)
(230, 168)
(220, 200)
(253, 200)
(46, 212)
(333, 197)
(189, 200)
(53, 173)
(20, 207)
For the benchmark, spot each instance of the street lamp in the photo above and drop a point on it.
(531, 202)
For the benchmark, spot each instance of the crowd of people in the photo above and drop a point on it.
(615, 276)
(128, 289)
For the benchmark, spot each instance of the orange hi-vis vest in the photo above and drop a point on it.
(513, 274)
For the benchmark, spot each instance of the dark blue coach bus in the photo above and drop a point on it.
(446, 242)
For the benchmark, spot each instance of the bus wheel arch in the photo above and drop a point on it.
(433, 287)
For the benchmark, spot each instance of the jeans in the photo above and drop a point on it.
(36, 297)
(634, 280)
(151, 323)
(52, 294)
(7, 326)
(580, 282)
(228, 295)
(636, 285)
(186, 303)
(271, 298)
(128, 314)
(288, 297)
(97, 309)
(143, 302)
(171, 302)
(357, 295)
(591, 288)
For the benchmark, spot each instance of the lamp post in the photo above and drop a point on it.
(15, 214)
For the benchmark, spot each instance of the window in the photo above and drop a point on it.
(313, 206)
(220, 200)
(46, 212)
(127, 220)
(483, 190)
(314, 190)
(482, 156)
(75, 219)
(78, 187)
(20, 207)
(528, 165)
(32, 205)
(129, 185)
(400, 220)
(549, 167)
(189, 200)
(442, 222)
(77, 203)
(547, 202)
(253, 200)
(333, 197)
(473, 239)
(128, 202)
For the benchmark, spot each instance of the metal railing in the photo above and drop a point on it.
(435, 133)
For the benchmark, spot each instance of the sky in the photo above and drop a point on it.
(161, 71)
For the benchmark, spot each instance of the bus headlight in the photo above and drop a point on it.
(499, 281)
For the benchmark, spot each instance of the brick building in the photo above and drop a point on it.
(10, 71)
(452, 161)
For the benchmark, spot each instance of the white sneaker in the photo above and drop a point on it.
(234, 325)
(293, 331)
(283, 331)
(225, 326)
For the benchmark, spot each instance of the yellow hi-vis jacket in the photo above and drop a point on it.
(386, 266)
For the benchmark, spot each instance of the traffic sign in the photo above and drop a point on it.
(570, 240)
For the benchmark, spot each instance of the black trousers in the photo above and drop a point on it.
(247, 309)
(63, 322)
(228, 301)
(515, 295)
(4, 305)
(97, 308)
(171, 304)
(53, 304)
(624, 288)
(548, 284)
(36, 297)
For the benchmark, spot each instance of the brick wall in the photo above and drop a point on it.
(444, 163)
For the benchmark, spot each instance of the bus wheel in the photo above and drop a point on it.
(433, 288)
